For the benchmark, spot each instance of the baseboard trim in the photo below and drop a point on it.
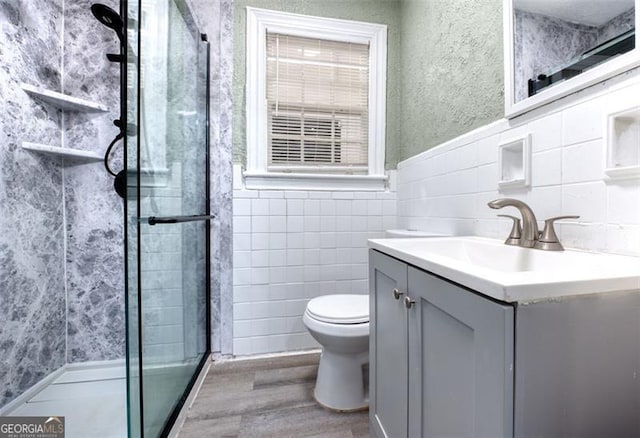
(269, 355)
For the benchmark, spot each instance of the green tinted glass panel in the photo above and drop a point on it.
(167, 177)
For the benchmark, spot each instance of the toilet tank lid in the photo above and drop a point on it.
(340, 309)
(413, 233)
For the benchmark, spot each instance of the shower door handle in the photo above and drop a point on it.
(154, 220)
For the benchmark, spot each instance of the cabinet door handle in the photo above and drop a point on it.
(408, 302)
(397, 294)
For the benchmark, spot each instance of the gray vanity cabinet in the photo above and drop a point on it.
(457, 348)
(388, 389)
(460, 361)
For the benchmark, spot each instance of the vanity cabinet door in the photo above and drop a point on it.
(460, 361)
(388, 346)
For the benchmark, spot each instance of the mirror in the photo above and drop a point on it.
(556, 47)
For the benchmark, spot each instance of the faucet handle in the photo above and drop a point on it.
(548, 238)
(516, 230)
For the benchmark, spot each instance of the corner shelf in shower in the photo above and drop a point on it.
(76, 155)
(64, 101)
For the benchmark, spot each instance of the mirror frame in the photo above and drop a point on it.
(599, 73)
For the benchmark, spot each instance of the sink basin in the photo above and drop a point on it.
(511, 273)
(494, 255)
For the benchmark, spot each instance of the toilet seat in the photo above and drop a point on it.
(339, 309)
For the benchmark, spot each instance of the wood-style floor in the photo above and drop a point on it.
(270, 397)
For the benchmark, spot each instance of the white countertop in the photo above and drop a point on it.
(514, 274)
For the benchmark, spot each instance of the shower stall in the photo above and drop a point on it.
(79, 264)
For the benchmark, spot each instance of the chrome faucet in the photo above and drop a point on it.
(530, 232)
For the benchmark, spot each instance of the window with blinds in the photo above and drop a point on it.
(317, 99)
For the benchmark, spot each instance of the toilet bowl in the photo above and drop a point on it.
(340, 323)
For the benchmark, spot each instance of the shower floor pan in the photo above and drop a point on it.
(92, 400)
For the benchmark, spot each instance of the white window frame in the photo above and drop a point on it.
(257, 175)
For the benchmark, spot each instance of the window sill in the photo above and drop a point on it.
(305, 181)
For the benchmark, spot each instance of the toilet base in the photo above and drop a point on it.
(341, 411)
(340, 383)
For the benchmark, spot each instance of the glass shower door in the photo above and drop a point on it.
(167, 211)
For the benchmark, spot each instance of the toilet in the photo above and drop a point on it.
(340, 323)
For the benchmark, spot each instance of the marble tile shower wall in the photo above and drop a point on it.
(94, 224)
(215, 18)
(61, 277)
(222, 183)
(446, 189)
(289, 247)
(617, 25)
(32, 289)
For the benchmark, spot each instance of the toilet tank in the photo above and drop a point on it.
(396, 234)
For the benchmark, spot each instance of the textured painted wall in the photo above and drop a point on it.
(32, 289)
(451, 70)
(373, 11)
